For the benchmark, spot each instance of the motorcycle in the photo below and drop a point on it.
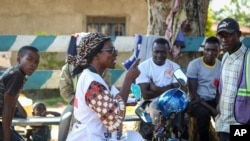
(162, 118)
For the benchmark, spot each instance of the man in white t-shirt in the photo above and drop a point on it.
(157, 72)
(156, 75)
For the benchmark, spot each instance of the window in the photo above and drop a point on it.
(111, 26)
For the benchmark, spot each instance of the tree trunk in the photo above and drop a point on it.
(196, 16)
(158, 10)
(191, 17)
(197, 11)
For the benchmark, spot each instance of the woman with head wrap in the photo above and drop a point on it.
(98, 112)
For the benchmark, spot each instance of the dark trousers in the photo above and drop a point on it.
(224, 136)
(202, 116)
(13, 134)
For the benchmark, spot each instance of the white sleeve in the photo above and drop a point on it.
(144, 76)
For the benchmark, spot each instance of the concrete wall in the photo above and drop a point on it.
(62, 17)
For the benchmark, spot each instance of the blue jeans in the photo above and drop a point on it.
(13, 134)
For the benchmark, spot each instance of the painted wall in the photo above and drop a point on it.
(45, 79)
(62, 17)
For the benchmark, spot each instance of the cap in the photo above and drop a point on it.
(228, 25)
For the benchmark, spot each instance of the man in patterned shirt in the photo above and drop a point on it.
(229, 33)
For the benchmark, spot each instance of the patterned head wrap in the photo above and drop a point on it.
(89, 46)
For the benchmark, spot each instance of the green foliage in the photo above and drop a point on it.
(52, 102)
(210, 21)
(117, 66)
(237, 9)
(49, 60)
(44, 34)
(51, 97)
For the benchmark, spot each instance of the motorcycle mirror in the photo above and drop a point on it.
(143, 115)
(180, 77)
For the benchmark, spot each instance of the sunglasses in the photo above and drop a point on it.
(111, 50)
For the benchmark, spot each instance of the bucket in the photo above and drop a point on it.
(26, 103)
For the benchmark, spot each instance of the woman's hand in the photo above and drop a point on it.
(133, 71)
(131, 75)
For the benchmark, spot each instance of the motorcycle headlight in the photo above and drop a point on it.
(171, 101)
